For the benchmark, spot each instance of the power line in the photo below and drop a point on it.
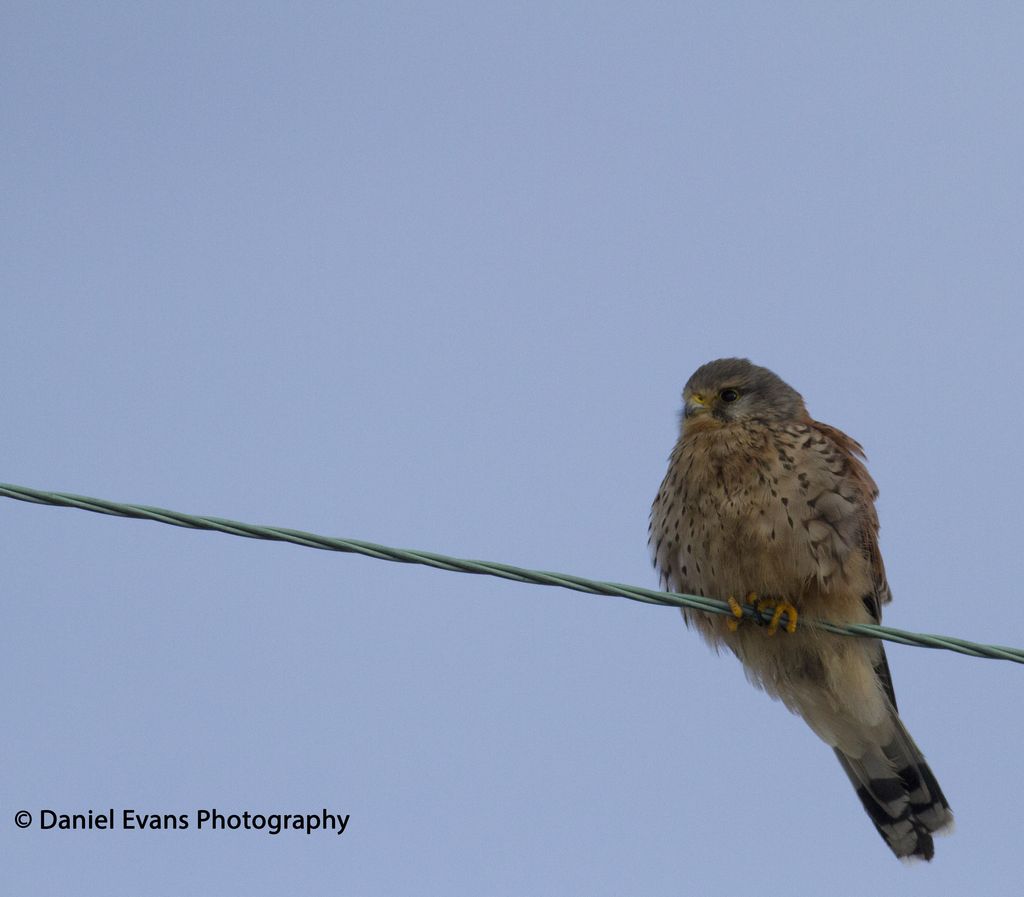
(489, 568)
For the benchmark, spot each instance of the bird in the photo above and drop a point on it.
(764, 506)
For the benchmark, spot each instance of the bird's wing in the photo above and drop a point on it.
(852, 454)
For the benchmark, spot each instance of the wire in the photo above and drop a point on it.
(490, 568)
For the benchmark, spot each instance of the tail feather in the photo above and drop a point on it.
(900, 794)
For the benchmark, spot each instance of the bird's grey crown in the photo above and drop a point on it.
(764, 394)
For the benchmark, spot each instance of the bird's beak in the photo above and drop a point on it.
(695, 404)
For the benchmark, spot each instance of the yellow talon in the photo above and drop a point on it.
(782, 607)
(777, 607)
(793, 615)
(733, 623)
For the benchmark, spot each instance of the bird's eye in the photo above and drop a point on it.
(729, 395)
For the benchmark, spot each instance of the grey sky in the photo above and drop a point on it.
(435, 277)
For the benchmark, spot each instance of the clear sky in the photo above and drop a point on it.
(434, 275)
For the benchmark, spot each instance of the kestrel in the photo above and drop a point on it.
(764, 505)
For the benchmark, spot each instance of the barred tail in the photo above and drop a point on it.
(900, 794)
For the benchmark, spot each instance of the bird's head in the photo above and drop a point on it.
(732, 390)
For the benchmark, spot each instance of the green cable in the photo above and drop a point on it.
(489, 568)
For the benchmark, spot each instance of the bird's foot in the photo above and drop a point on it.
(778, 607)
(733, 622)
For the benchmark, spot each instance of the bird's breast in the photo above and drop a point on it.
(722, 516)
